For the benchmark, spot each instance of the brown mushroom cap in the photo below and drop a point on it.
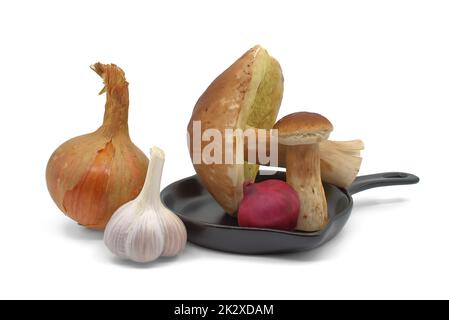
(248, 93)
(303, 128)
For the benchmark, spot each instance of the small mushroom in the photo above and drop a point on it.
(301, 134)
(340, 160)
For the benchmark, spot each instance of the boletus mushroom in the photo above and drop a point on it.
(248, 93)
(301, 134)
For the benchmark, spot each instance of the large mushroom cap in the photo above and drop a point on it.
(247, 94)
(303, 128)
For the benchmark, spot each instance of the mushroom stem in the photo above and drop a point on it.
(340, 160)
(303, 174)
(352, 147)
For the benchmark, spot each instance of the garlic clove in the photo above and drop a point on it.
(135, 234)
(175, 235)
(145, 241)
(116, 232)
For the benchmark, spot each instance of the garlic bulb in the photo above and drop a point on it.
(144, 229)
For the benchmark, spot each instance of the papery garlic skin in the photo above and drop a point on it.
(133, 234)
(143, 229)
(175, 235)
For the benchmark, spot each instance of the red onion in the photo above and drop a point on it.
(269, 204)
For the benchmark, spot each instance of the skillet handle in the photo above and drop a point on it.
(381, 180)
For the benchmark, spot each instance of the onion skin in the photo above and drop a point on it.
(271, 204)
(89, 177)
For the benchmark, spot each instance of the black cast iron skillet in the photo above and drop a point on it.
(209, 226)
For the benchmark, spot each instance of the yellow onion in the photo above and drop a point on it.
(89, 177)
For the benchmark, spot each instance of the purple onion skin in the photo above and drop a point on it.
(270, 204)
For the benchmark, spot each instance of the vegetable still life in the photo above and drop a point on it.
(103, 181)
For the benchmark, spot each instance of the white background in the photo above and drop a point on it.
(379, 70)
